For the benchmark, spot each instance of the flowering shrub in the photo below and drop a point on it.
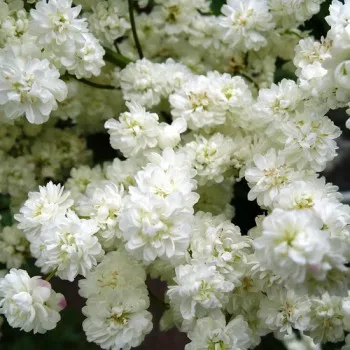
(189, 101)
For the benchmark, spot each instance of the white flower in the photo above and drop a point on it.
(283, 310)
(164, 181)
(118, 320)
(48, 206)
(29, 303)
(210, 333)
(64, 38)
(103, 203)
(292, 244)
(277, 104)
(288, 13)
(212, 157)
(338, 19)
(246, 22)
(309, 57)
(302, 194)
(117, 271)
(123, 172)
(56, 22)
(88, 58)
(109, 20)
(140, 82)
(13, 247)
(81, 177)
(154, 227)
(326, 324)
(198, 101)
(135, 131)
(29, 86)
(267, 176)
(170, 135)
(70, 246)
(198, 288)
(216, 240)
(310, 142)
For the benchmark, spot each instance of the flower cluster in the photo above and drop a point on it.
(192, 107)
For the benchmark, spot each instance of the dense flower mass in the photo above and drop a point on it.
(202, 105)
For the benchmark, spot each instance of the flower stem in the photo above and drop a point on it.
(116, 58)
(52, 273)
(133, 28)
(95, 85)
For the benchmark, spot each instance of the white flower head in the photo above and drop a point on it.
(103, 203)
(56, 22)
(29, 303)
(118, 320)
(292, 244)
(154, 227)
(246, 22)
(118, 270)
(29, 86)
(268, 174)
(71, 246)
(214, 333)
(43, 208)
(198, 288)
(135, 131)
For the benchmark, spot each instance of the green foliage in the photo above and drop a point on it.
(216, 6)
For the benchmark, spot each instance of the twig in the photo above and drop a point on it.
(116, 58)
(133, 28)
(52, 273)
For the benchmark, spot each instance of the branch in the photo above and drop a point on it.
(133, 28)
(91, 83)
(116, 58)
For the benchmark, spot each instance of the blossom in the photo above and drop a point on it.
(295, 243)
(13, 247)
(109, 21)
(155, 228)
(29, 303)
(326, 319)
(117, 271)
(137, 130)
(103, 204)
(268, 174)
(198, 288)
(285, 310)
(215, 333)
(246, 22)
(56, 22)
(211, 157)
(118, 320)
(70, 246)
(29, 86)
(42, 208)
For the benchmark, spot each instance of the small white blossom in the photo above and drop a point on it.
(48, 206)
(210, 333)
(29, 303)
(246, 22)
(29, 86)
(292, 244)
(198, 288)
(71, 246)
(118, 320)
(135, 131)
